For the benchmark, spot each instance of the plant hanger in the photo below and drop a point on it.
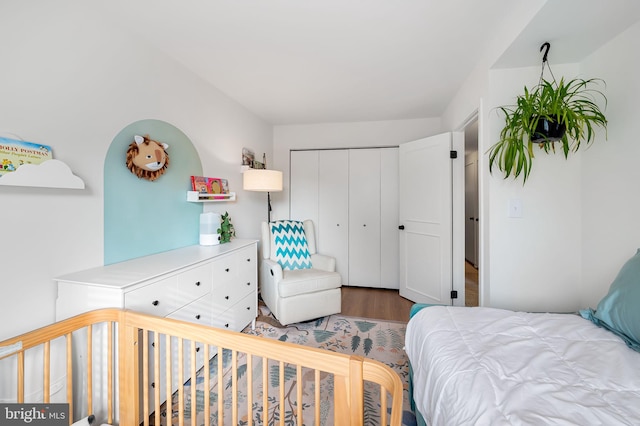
(553, 111)
(546, 46)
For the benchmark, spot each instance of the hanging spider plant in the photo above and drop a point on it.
(565, 113)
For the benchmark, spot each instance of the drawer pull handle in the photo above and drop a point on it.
(249, 260)
(153, 384)
(226, 325)
(226, 270)
(155, 303)
(197, 283)
(249, 283)
(197, 349)
(198, 316)
(226, 297)
(248, 308)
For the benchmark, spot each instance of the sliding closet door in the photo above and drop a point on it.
(333, 208)
(364, 217)
(389, 221)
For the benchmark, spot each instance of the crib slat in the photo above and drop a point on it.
(20, 395)
(207, 395)
(249, 389)
(168, 382)
(145, 377)
(356, 388)
(316, 398)
(220, 387)
(265, 396)
(89, 369)
(234, 387)
(156, 377)
(69, 359)
(46, 379)
(299, 393)
(281, 392)
(194, 402)
(110, 358)
(180, 383)
(383, 405)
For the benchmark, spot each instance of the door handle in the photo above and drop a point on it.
(401, 227)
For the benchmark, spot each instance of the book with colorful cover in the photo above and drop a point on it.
(209, 185)
(14, 153)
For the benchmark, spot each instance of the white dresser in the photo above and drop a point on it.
(211, 285)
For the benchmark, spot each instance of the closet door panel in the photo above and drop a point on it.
(364, 217)
(389, 220)
(332, 226)
(303, 193)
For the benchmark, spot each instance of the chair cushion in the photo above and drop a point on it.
(302, 281)
(289, 244)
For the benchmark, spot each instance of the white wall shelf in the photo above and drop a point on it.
(199, 197)
(48, 174)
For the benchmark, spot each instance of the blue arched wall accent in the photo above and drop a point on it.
(142, 217)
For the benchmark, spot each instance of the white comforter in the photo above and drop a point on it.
(483, 366)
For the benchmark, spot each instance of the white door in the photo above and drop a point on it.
(389, 272)
(332, 228)
(426, 215)
(364, 217)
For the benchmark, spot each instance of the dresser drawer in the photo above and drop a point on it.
(247, 263)
(227, 296)
(239, 316)
(158, 298)
(240, 265)
(198, 312)
(194, 283)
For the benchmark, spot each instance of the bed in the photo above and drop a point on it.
(129, 381)
(485, 366)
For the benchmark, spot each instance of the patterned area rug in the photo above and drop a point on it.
(379, 340)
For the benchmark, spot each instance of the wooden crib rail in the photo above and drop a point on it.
(149, 348)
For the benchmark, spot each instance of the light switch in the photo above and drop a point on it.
(515, 208)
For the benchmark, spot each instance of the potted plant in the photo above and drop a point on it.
(226, 229)
(564, 112)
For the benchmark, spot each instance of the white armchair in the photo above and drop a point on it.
(295, 295)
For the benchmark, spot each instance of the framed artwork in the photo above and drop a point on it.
(248, 157)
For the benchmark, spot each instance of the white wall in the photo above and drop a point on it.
(341, 135)
(535, 261)
(610, 195)
(72, 81)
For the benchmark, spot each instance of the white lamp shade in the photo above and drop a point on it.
(262, 180)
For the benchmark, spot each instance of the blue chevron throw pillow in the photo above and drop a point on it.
(290, 244)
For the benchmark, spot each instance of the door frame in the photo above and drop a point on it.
(458, 219)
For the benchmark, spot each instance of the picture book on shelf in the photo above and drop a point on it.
(14, 153)
(209, 185)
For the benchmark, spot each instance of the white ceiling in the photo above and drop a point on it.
(310, 61)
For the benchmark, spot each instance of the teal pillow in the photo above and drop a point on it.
(290, 244)
(619, 310)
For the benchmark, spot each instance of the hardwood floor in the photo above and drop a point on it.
(375, 303)
(471, 285)
(385, 304)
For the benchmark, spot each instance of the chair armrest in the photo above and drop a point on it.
(323, 262)
(272, 268)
